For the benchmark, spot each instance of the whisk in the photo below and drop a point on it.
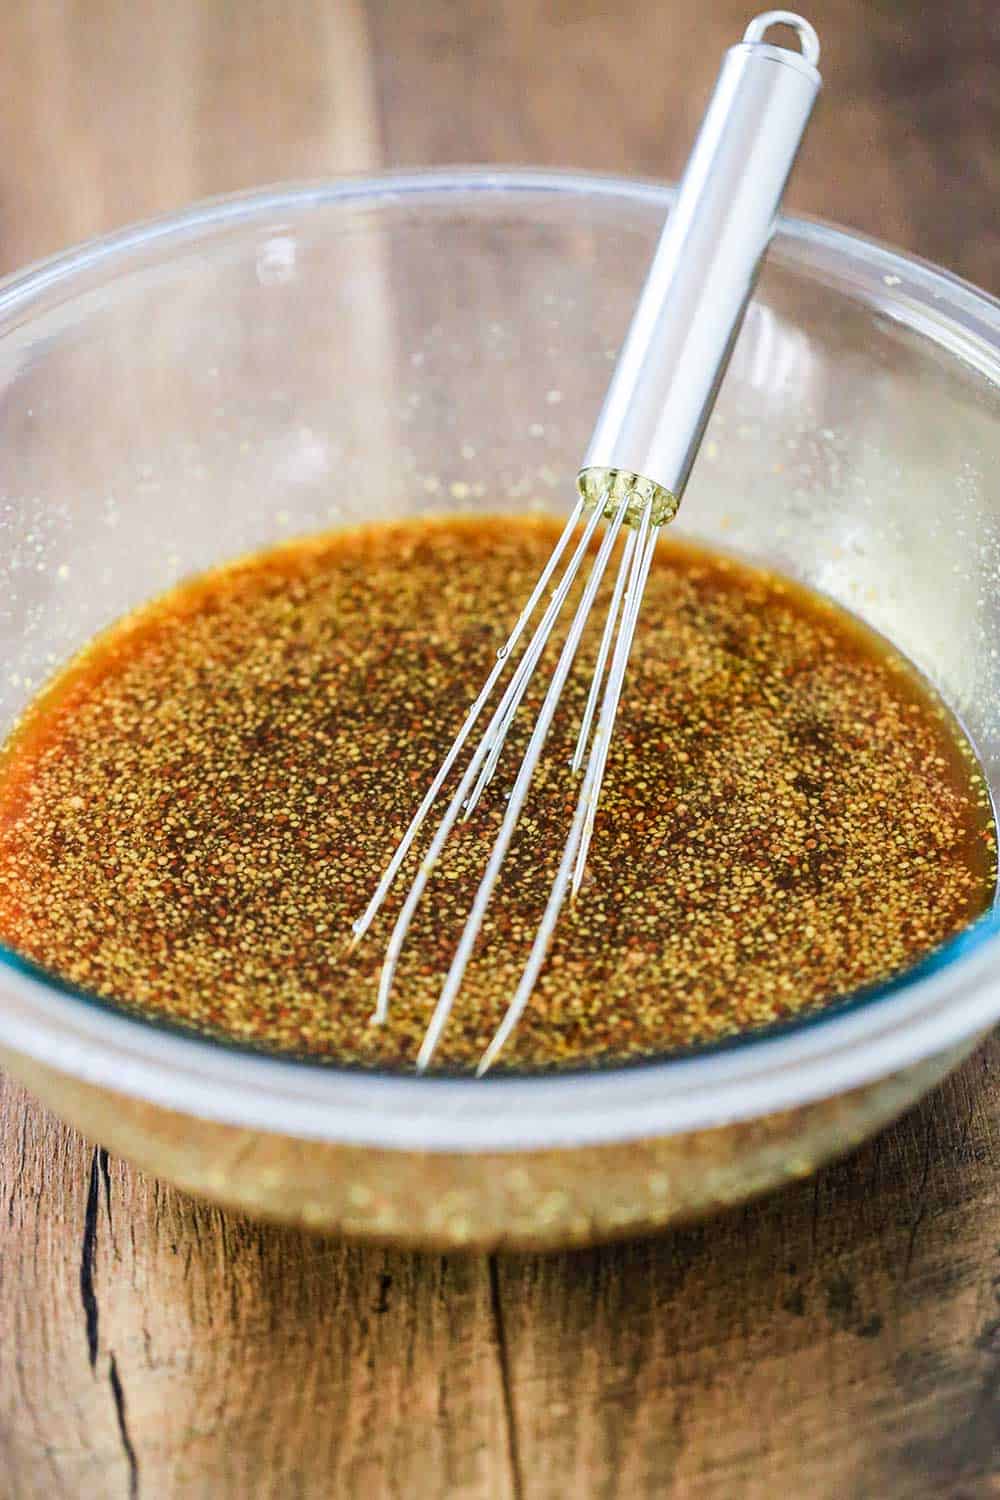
(632, 479)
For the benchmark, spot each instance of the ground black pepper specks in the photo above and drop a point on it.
(194, 812)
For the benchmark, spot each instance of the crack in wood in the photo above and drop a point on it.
(87, 1294)
(102, 1162)
(21, 1175)
(384, 1287)
(930, 1133)
(506, 1383)
(118, 1394)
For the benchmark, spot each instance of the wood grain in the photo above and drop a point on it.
(116, 112)
(904, 146)
(152, 1345)
(841, 1339)
(837, 1340)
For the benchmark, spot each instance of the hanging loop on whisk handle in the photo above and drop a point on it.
(682, 334)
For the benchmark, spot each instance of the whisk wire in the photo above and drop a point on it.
(522, 783)
(590, 795)
(515, 690)
(607, 636)
(361, 926)
(639, 547)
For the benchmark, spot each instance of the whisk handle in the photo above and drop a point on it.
(682, 334)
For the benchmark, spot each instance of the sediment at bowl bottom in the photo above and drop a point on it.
(525, 1200)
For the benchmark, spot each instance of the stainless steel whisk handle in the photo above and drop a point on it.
(684, 327)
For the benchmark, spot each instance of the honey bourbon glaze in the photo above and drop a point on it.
(196, 809)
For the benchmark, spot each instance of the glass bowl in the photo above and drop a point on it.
(309, 357)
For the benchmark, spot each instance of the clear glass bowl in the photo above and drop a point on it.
(314, 356)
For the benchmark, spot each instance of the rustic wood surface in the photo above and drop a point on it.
(840, 1339)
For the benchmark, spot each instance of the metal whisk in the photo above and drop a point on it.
(633, 477)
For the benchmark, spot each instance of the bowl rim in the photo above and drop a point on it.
(940, 1004)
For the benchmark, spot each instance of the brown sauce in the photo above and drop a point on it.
(196, 809)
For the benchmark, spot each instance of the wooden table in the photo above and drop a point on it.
(841, 1339)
